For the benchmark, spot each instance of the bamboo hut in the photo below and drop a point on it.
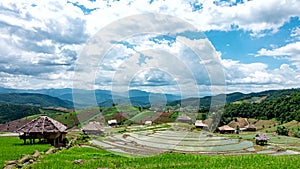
(44, 128)
(238, 122)
(93, 128)
(200, 124)
(226, 129)
(251, 127)
(261, 139)
(184, 119)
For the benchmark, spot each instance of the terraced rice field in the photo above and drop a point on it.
(156, 142)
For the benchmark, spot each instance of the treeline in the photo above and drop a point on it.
(9, 112)
(284, 109)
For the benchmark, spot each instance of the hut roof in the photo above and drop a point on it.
(250, 126)
(12, 126)
(200, 123)
(225, 128)
(261, 136)
(183, 117)
(42, 124)
(241, 122)
(92, 126)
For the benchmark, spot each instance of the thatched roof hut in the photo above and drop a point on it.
(261, 138)
(251, 127)
(239, 122)
(92, 128)
(184, 118)
(12, 126)
(200, 124)
(226, 129)
(43, 127)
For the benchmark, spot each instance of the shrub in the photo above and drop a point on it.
(282, 130)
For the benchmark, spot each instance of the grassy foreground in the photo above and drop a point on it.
(12, 148)
(86, 157)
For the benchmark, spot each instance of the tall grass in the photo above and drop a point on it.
(12, 148)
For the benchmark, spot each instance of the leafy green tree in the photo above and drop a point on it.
(282, 130)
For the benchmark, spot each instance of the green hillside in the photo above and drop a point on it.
(238, 97)
(34, 100)
(284, 108)
(10, 112)
(293, 128)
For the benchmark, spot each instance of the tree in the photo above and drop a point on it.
(282, 130)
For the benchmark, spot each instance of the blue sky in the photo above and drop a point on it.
(255, 44)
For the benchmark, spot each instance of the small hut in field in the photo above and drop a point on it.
(226, 129)
(184, 119)
(199, 124)
(239, 122)
(45, 128)
(93, 128)
(250, 127)
(261, 139)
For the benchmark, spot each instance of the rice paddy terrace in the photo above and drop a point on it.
(151, 142)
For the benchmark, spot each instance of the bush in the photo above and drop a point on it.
(282, 130)
(297, 132)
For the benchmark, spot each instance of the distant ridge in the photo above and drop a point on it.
(106, 98)
(34, 99)
(237, 96)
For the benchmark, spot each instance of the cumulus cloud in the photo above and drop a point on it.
(289, 52)
(257, 77)
(40, 42)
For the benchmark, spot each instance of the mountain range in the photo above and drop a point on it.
(81, 98)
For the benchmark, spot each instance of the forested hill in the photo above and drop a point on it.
(34, 99)
(10, 112)
(285, 107)
(267, 95)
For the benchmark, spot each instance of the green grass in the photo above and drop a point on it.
(292, 125)
(263, 124)
(143, 115)
(12, 148)
(96, 158)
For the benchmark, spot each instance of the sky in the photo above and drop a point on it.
(195, 47)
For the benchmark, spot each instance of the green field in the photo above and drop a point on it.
(12, 148)
(97, 158)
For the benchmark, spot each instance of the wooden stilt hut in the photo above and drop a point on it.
(44, 128)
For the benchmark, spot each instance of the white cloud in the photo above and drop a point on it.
(41, 40)
(291, 49)
(257, 77)
(289, 52)
(296, 33)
